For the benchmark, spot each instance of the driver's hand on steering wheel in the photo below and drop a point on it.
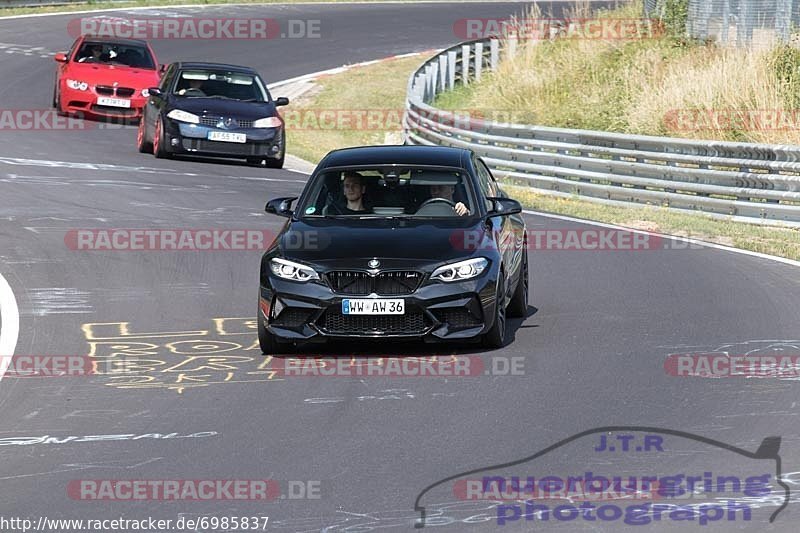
(461, 209)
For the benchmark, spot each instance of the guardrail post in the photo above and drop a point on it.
(442, 72)
(783, 19)
(465, 64)
(430, 91)
(495, 53)
(726, 21)
(451, 69)
(511, 43)
(478, 60)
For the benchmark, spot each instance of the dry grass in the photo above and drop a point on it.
(652, 86)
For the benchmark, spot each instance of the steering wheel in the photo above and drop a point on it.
(193, 90)
(437, 200)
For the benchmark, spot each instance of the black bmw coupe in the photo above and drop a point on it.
(394, 241)
(216, 110)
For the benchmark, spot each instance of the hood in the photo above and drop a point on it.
(395, 243)
(96, 74)
(222, 107)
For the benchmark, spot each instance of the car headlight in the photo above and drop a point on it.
(268, 122)
(77, 85)
(460, 271)
(183, 116)
(145, 93)
(286, 269)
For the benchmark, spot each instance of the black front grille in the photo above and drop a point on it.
(125, 92)
(213, 122)
(292, 318)
(105, 90)
(385, 283)
(202, 145)
(457, 317)
(334, 322)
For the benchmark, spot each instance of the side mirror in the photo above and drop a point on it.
(162, 68)
(281, 206)
(61, 57)
(155, 92)
(281, 101)
(504, 206)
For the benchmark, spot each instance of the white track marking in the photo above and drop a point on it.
(665, 236)
(9, 328)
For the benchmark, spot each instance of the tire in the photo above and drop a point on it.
(57, 104)
(276, 163)
(269, 344)
(142, 143)
(518, 307)
(159, 151)
(496, 336)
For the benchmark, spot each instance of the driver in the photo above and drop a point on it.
(446, 192)
(195, 86)
(95, 52)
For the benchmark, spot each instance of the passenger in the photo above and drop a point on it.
(446, 192)
(353, 189)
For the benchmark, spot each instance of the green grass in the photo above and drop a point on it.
(379, 88)
(638, 86)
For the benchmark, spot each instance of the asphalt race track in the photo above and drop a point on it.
(203, 406)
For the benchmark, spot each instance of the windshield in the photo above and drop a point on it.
(220, 84)
(129, 55)
(389, 192)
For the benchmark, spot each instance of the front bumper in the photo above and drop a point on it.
(434, 312)
(85, 103)
(192, 139)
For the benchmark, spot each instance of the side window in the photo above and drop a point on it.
(485, 181)
(72, 50)
(486, 175)
(166, 81)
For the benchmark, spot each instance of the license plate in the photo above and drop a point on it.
(113, 102)
(226, 136)
(373, 306)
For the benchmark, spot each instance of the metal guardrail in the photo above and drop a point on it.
(754, 182)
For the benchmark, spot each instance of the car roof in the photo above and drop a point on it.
(225, 66)
(113, 40)
(398, 155)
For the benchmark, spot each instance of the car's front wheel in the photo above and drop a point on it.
(518, 307)
(276, 163)
(142, 143)
(496, 336)
(269, 343)
(159, 148)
